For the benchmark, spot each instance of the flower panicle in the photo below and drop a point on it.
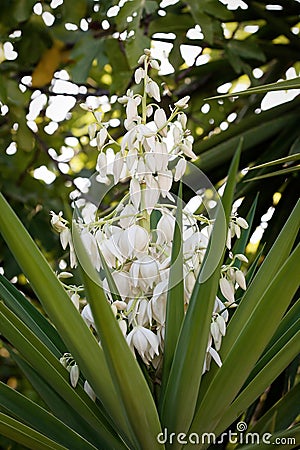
(150, 157)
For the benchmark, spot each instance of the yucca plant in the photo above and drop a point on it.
(180, 388)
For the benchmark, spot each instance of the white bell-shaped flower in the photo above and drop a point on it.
(101, 165)
(122, 281)
(160, 120)
(118, 167)
(87, 316)
(90, 244)
(127, 216)
(135, 192)
(240, 279)
(139, 74)
(101, 138)
(142, 312)
(150, 195)
(144, 341)
(166, 227)
(180, 169)
(227, 289)
(164, 180)
(138, 240)
(152, 90)
(149, 270)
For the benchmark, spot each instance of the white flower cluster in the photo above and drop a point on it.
(135, 239)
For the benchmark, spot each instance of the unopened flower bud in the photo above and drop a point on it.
(227, 289)
(183, 102)
(180, 169)
(242, 257)
(120, 305)
(240, 279)
(74, 375)
(139, 75)
(242, 223)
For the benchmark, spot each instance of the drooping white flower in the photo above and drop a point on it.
(152, 90)
(144, 341)
(160, 120)
(242, 257)
(138, 239)
(150, 195)
(90, 244)
(58, 222)
(183, 102)
(74, 375)
(92, 128)
(242, 223)
(166, 227)
(101, 165)
(227, 289)
(87, 316)
(164, 181)
(118, 167)
(75, 300)
(139, 74)
(180, 169)
(101, 138)
(240, 279)
(88, 389)
(135, 192)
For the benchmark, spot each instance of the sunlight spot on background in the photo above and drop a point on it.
(274, 7)
(72, 141)
(202, 59)
(63, 167)
(36, 105)
(55, 3)
(9, 51)
(161, 51)
(190, 53)
(11, 149)
(195, 33)
(15, 34)
(38, 9)
(4, 110)
(257, 72)
(234, 4)
(84, 25)
(205, 108)
(64, 87)
(71, 26)
(32, 125)
(42, 173)
(59, 107)
(113, 11)
(165, 3)
(276, 98)
(232, 117)
(224, 125)
(224, 88)
(48, 18)
(251, 28)
(51, 127)
(62, 75)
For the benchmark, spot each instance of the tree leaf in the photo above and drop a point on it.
(280, 85)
